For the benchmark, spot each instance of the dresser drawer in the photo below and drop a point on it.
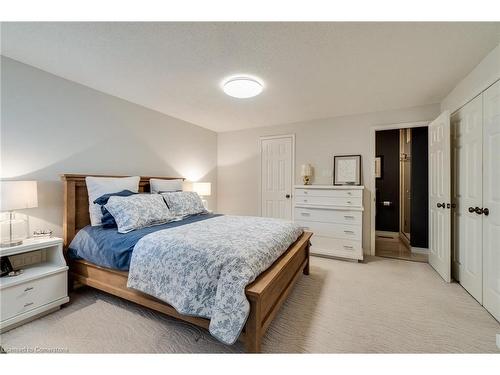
(328, 215)
(33, 294)
(336, 247)
(351, 232)
(340, 193)
(329, 201)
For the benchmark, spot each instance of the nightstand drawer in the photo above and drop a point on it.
(32, 294)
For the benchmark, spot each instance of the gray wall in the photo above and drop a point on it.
(51, 126)
(238, 169)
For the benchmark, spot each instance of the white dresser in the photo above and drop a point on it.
(335, 215)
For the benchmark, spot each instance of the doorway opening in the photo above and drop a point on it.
(402, 193)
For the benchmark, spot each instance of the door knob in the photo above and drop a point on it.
(486, 211)
(287, 196)
(478, 210)
(472, 210)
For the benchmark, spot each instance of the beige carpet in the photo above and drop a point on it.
(381, 306)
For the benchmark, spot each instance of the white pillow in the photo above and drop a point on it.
(159, 185)
(138, 211)
(98, 186)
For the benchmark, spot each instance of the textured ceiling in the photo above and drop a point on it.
(311, 70)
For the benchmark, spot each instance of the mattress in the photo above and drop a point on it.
(106, 247)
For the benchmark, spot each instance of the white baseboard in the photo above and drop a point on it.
(419, 250)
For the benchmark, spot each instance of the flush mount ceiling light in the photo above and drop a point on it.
(242, 87)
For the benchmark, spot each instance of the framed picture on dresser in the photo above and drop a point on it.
(347, 170)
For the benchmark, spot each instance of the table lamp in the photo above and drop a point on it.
(306, 173)
(204, 189)
(16, 195)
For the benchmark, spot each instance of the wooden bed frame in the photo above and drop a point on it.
(266, 294)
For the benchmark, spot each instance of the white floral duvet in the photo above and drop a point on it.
(202, 268)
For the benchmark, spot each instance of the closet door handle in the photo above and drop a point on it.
(478, 210)
(472, 210)
(486, 211)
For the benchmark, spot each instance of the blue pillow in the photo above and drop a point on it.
(108, 221)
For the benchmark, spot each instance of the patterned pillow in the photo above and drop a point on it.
(184, 203)
(138, 211)
(107, 220)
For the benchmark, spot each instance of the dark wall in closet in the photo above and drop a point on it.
(419, 210)
(387, 187)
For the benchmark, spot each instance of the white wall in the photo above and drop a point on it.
(480, 78)
(238, 171)
(51, 126)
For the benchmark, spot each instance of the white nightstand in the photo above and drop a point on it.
(42, 287)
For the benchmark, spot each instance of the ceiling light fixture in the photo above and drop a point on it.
(242, 87)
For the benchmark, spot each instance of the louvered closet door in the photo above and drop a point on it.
(440, 196)
(467, 156)
(491, 200)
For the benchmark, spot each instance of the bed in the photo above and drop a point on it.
(266, 294)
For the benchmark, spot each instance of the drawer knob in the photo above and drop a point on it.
(348, 247)
(348, 217)
(305, 214)
(349, 193)
(28, 304)
(28, 289)
(349, 232)
(349, 202)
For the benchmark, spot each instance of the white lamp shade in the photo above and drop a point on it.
(203, 189)
(16, 195)
(306, 170)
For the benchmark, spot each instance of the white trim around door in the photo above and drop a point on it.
(289, 191)
(371, 182)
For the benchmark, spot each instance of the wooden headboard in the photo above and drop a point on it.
(76, 201)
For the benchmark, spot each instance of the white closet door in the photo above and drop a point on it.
(440, 196)
(467, 131)
(276, 177)
(491, 200)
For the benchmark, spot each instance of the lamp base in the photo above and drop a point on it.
(306, 180)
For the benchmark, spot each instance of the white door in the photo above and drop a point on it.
(276, 176)
(491, 200)
(440, 196)
(467, 146)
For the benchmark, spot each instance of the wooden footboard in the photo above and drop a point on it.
(266, 294)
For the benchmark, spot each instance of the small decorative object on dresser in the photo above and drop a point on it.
(41, 287)
(306, 173)
(347, 170)
(334, 214)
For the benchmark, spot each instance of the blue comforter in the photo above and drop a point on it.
(108, 248)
